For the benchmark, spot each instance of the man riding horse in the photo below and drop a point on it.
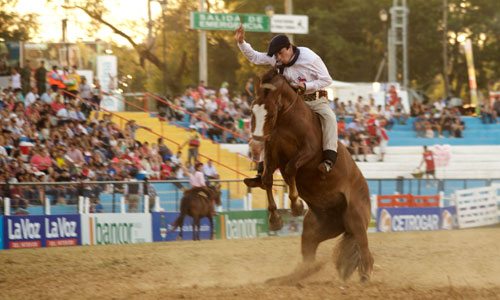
(307, 73)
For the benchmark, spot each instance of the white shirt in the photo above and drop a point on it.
(29, 99)
(209, 170)
(15, 81)
(308, 69)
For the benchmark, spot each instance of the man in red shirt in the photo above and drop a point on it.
(428, 158)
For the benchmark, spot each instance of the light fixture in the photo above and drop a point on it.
(383, 15)
(269, 11)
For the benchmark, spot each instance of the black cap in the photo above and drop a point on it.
(277, 43)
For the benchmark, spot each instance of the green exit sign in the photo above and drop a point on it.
(220, 21)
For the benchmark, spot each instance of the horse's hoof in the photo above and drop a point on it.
(365, 278)
(275, 223)
(298, 210)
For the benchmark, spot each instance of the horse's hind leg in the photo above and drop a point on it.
(356, 220)
(318, 227)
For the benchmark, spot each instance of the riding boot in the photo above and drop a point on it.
(257, 180)
(329, 159)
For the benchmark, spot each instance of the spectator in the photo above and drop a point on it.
(193, 143)
(26, 73)
(133, 192)
(41, 78)
(15, 80)
(209, 170)
(201, 89)
(249, 90)
(55, 80)
(96, 94)
(428, 159)
(457, 127)
(488, 115)
(400, 113)
(163, 150)
(188, 100)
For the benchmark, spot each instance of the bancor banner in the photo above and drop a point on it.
(163, 225)
(102, 229)
(415, 219)
(242, 224)
(41, 231)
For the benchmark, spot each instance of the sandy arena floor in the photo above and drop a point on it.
(460, 264)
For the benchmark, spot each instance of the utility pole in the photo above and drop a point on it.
(398, 43)
(203, 49)
(445, 49)
(289, 11)
(164, 69)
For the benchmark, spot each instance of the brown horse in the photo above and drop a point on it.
(197, 203)
(339, 202)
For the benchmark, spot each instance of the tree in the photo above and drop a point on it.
(14, 26)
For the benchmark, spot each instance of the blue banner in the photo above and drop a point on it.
(1, 232)
(62, 230)
(163, 227)
(41, 231)
(415, 218)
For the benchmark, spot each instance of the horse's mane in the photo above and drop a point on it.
(271, 74)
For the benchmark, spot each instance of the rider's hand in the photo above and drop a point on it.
(301, 88)
(239, 35)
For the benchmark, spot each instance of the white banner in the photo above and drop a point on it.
(290, 24)
(107, 70)
(103, 229)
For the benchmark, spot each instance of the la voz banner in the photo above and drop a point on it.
(41, 231)
(415, 218)
(163, 227)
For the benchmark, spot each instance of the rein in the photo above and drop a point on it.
(293, 103)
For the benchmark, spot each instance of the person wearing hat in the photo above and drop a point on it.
(306, 72)
(197, 179)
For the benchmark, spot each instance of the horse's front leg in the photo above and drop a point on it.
(275, 222)
(290, 172)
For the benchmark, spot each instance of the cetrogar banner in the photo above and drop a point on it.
(41, 231)
(102, 229)
(163, 225)
(242, 224)
(415, 219)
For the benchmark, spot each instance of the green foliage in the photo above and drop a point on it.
(15, 26)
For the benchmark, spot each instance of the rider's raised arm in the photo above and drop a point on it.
(323, 78)
(258, 58)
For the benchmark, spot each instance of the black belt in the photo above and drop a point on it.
(315, 96)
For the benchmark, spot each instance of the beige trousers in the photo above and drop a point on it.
(328, 122)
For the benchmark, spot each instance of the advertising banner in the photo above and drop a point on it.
(103, 229)
(62, 230)
(291, 225)
(163, 225)
(1, 232)
(107, 70)
(469, 57)
(41, 231)
(242, 224)
(24, 232)
(415, 219)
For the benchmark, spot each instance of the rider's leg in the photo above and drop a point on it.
(257, 180)
(330, 134)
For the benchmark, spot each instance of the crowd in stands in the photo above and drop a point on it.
(52, 137)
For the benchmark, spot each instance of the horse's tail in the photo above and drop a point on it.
(348, 256)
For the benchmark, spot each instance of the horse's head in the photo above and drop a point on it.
(215, 193)
(268, 102)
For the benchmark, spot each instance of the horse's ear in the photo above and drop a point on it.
(257, 83)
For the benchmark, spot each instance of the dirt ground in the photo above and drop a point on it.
(460, 264)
